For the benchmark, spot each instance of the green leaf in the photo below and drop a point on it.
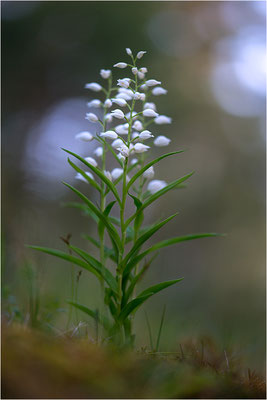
(98, 173)
(140, 216)
(110, 228)
(131, 306)
(90, 180)
(67, 257)
(104, 272)
(164, 243)
(156, 195)
(160, 328)
(94, 314)
(157, 288)
(142, 297)
(142, 170)
(143, 238)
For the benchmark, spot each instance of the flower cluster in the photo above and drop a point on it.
(124, 130)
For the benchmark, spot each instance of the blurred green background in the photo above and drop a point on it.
(210, 58)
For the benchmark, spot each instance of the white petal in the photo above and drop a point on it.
(152, 82)
(157, 91)
(116, 173)
(84, 136)
(150, 113)
(98, 151)
(149, 173)
(109, 135)
(105, 73)
(91, 161)
(120, 65)
(162, 119)
(162, 141)
(91, 117)
(140, 54)
(140, 148)
(156, 185)
(128, 51)
(94, 103)
(93, 86)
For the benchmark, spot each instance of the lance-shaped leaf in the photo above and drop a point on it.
(164, 243)
(103, 271)
(110, 228)
(142, 170)
(94, 314)
(90, 180)
(156, 195)
(98, 173)
(143, 238)
(68, 257)
(101, 226)
(142, 297)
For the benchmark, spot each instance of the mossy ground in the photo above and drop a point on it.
(35, 365)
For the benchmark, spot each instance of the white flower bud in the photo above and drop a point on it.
(91, 117)
(134, 161)
(140, 148)
(152, 82)
(121, 157)
(146, 135)
(135, 135)
(121, 129)
(140, 54)
(143, 70)
(116, 173)
(128, 51)
(138, 125)
(94, 103)
(93, 86)
(84, 136)
(117, 114)
(82, 178)
(142, 96)
(124, 96)
(109, 135)
(162, 141)
(152, 106)
(91, 161)
(149, 173)
(105, 73)
(120, 65)
(156, 185)
(108, 175)
(108, 103)
(150, 113)
(120, 102)
(134, 70)
(125, 82)
(124, 150)
(108, 117)
(117, 143)
(128, 115)
(162, 119)
(98, 151)
(140, 75)
(158, 91)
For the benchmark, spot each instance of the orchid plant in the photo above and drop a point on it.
(122, 263)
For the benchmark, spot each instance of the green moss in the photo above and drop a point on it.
(35, 365)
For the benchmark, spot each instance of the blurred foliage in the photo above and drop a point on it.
(71, 368)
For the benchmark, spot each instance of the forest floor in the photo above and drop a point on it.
(36, 365)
